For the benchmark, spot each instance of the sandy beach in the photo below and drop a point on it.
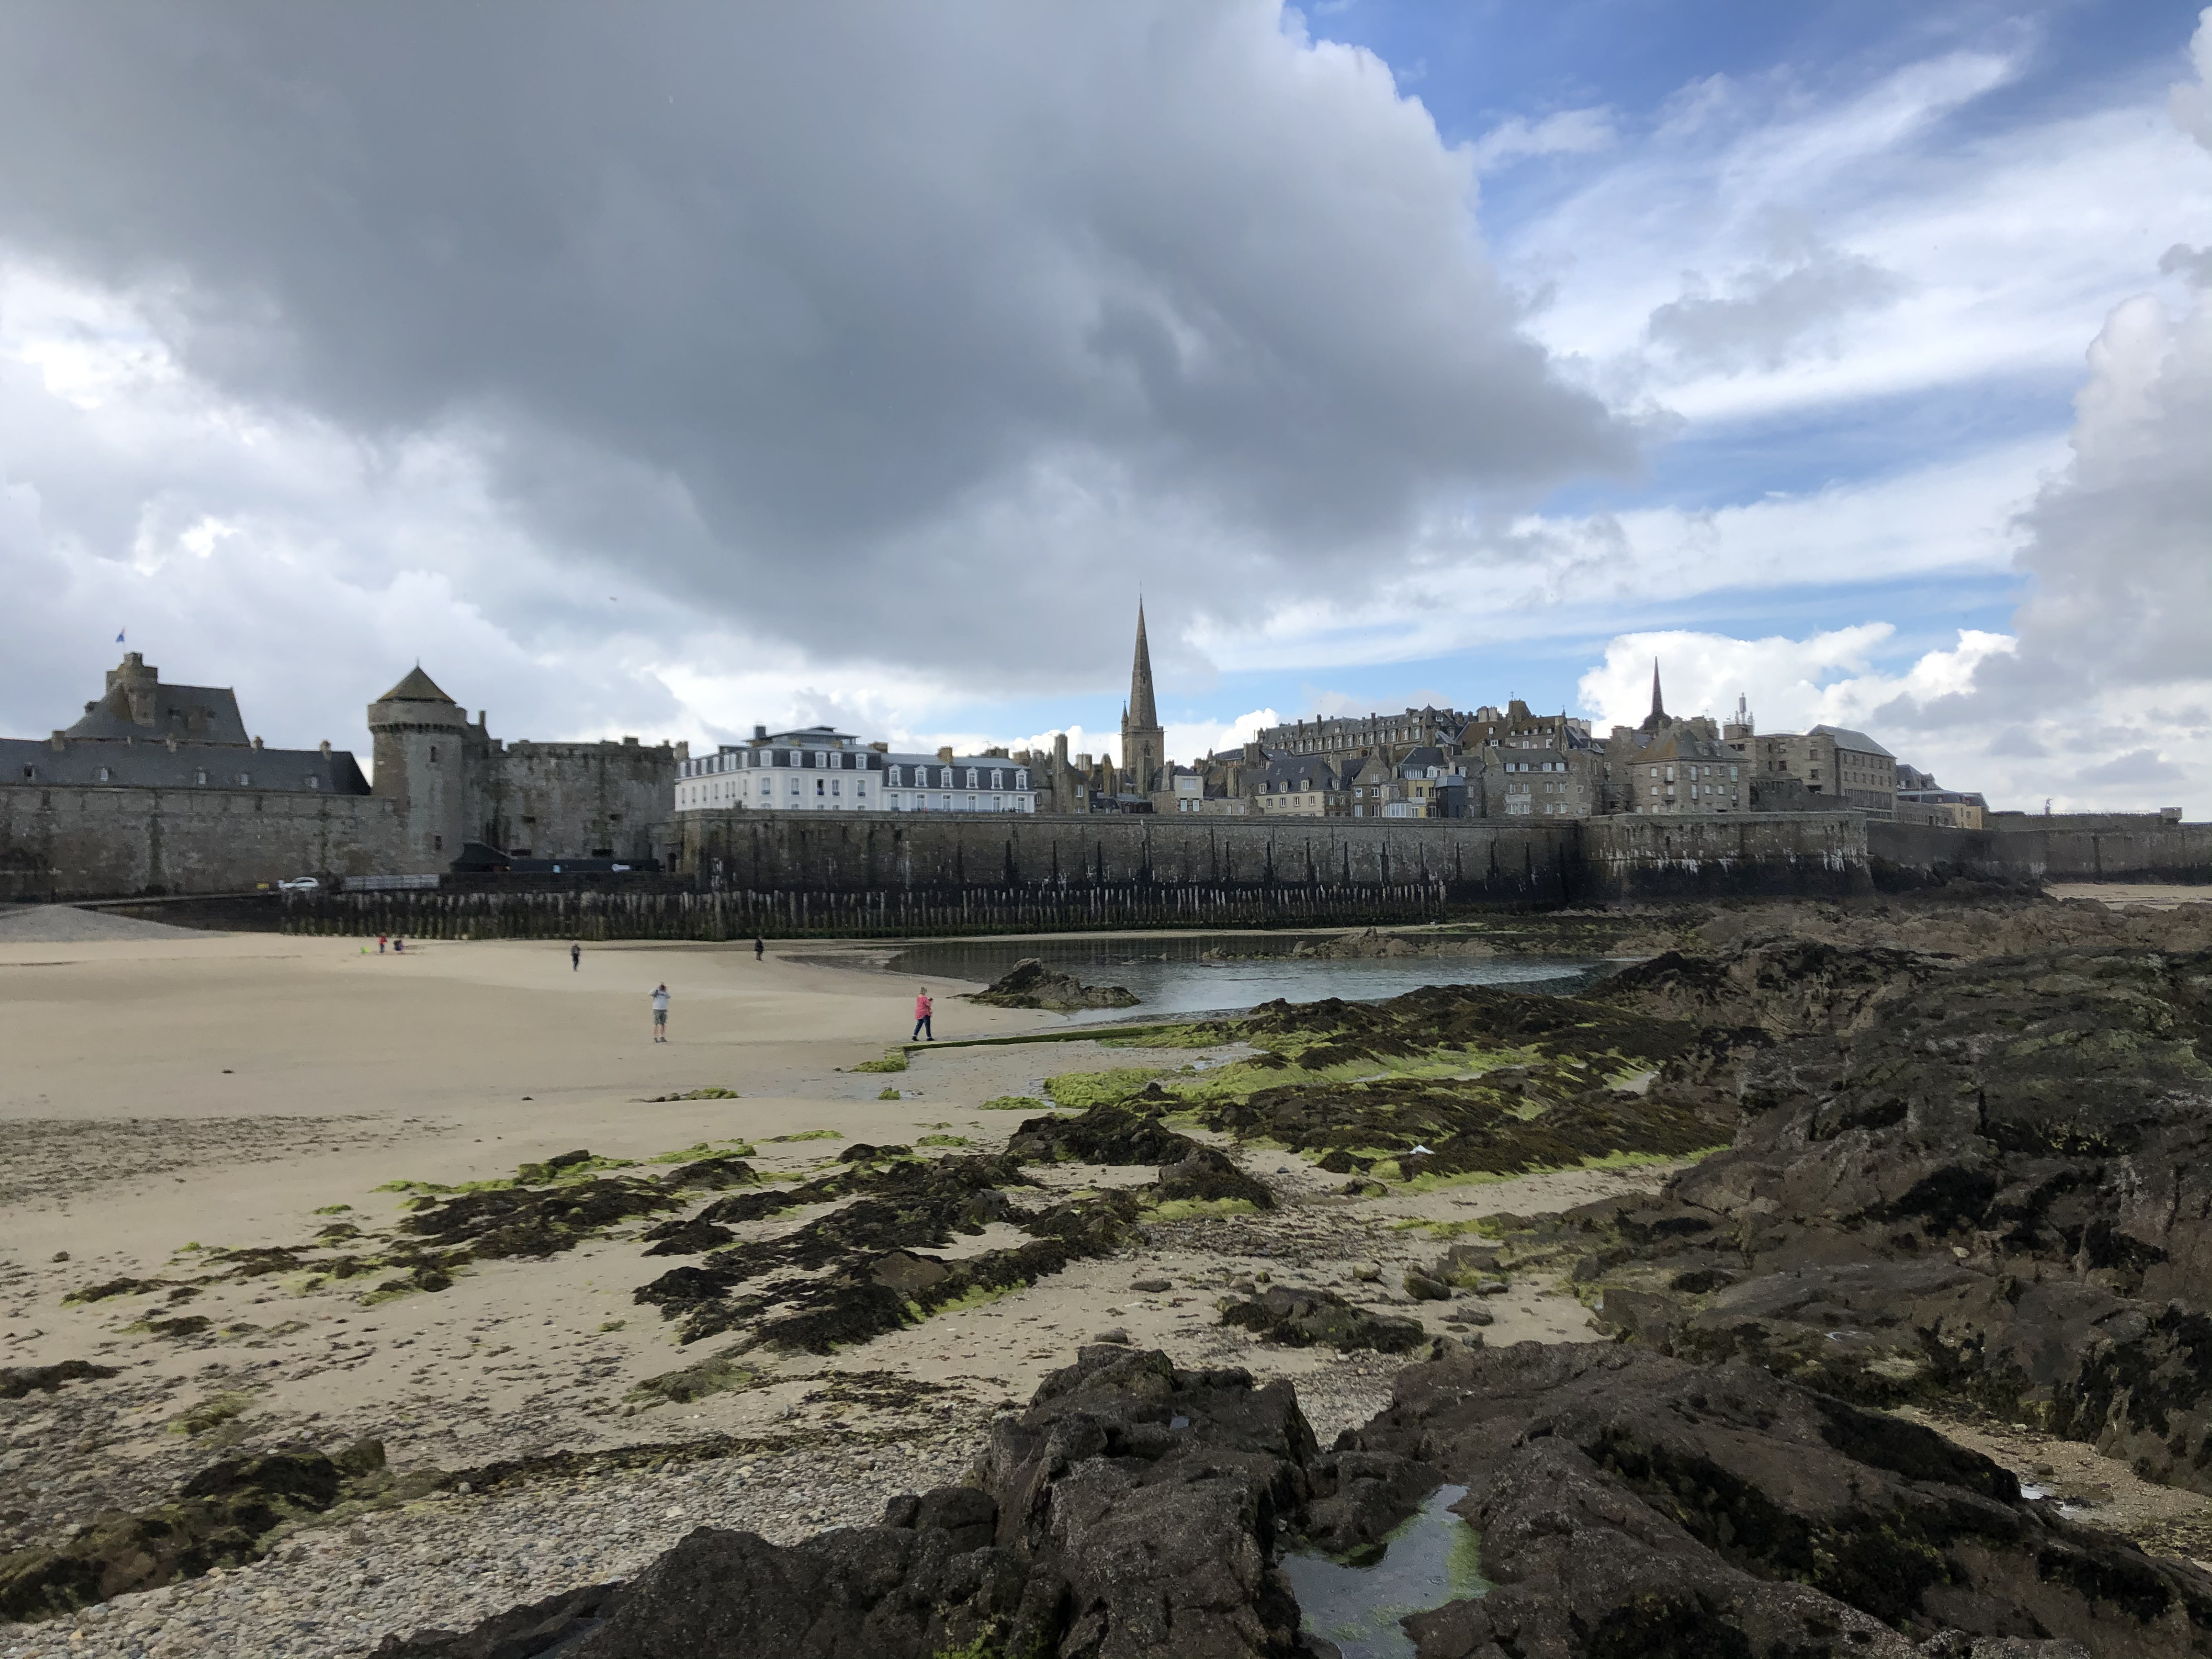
(170, 1095)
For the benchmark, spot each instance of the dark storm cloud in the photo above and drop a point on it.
(824, 317)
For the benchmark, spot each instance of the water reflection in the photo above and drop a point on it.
(1433, 1558)
(1176, 976)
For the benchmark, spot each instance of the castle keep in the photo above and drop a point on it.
(159, 789)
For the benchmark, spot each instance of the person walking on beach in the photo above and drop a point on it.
(759, 950)
(921, 1006)
(379, 944)
(575, 956)
(660, 1013)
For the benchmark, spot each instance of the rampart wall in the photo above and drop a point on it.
(69, 841)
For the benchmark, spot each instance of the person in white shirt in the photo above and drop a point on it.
(660, 1013)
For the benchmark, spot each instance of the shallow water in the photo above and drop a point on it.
(1169, 976)
(1433, 1558)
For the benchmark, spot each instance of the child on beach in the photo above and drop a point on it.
(660, 1013)
(921, 1006)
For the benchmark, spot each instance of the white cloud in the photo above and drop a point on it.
(2192, 102)
(1566, 132)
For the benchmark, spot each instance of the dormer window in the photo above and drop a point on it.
(199, 777)
(104, 774)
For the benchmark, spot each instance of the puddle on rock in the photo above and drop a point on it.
(1433, 1558)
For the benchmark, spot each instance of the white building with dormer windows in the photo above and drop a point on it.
(820, 769)
(945, 782)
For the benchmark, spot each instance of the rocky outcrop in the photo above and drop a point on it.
(1132, 1510)
(1030, 984)
(220, 1517)
(1993, 1179)
(1633, 1504)
(1629, 1506)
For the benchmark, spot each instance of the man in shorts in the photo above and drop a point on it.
(660, 1013)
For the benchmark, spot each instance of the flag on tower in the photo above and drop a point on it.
(118, 636)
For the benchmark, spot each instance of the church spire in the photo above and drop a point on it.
(1658, 708)
(1142, 711)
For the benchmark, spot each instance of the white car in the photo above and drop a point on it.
(298, 885)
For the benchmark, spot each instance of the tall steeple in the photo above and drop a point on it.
(1142, 712)
(1144, 744)
(1658, 707)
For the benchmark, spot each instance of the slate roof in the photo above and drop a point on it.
(197, 713)
(150, 763)
(416, 687)
(1858, 742)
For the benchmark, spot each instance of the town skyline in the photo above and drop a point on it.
(1747, 338)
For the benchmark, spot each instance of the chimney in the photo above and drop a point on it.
(257, 743)
(945, 753)
(60, 741)
(760, 734)
(326, 748)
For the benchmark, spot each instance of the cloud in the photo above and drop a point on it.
(1770, 312)
(850, 329)
(2191, 101)
(1567, 132)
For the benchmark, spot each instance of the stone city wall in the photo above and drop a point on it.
(1648, 857)
(94, 842)
(2062, 847)
(1474, 861)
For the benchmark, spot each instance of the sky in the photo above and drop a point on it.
(670, 368)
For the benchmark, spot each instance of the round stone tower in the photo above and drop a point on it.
(420, 737)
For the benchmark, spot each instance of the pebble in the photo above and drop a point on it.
(334, 1593)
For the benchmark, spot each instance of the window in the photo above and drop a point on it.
(433, 757)
(313, 782)
(437, 843)
(891, 776)
(104, 774)
(244, 780)
(199, 777)
(819, 788)
(971, 780)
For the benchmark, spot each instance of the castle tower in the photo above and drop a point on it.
(1143, 743)
(421, 738)
(1739, 730)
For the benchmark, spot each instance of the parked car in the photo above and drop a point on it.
(298, 885)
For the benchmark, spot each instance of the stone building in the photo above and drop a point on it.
(1519, 764)
(452, 782)
(142, 733)
(159, 789)
(1837, 768)
(1921, 799)
(1673, 764)
(1301, 786)
(1342, 737)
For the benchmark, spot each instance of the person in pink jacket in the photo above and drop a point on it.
(921, 1006)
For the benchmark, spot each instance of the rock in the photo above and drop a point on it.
(1117, 1132)
(1307, 1317)
(220, 1517)
(1422, 1288)
(1131, 1510)
(1367, 1272)
(681, 1238)
(1632, 1503)
(17, 1380)
(1152, 1286)
(1207, 1174)
(1992, 1178)
(1490, 1287)
(1115, 1335)
(1030, 984)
